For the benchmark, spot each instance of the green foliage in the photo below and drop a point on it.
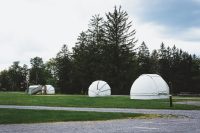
(105, 52)
(15, 78)
(51, 72)
(37, 71)
(176, 67)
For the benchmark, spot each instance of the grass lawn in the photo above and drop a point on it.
(11, 116)
(183, 98)
(19, 98)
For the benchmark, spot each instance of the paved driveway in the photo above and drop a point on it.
(113, 126)
(190, 124)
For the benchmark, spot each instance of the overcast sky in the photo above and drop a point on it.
(30, 28)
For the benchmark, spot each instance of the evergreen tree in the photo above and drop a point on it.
(120, 58)
(185, 72)
(15, 78)
(64, 70)
(96, 45)
(81, 63)
(37, 71)
(88, 54)
(175, 74)
(195, 75)
(164, 66)
(96, 31)
(24, 73)
(154, 61)
(5, 80)
(144, 65)
(51, 72)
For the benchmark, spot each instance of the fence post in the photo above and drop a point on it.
(170, 100)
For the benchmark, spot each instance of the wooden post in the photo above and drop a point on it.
(170, 101)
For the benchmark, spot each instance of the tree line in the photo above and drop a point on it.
(107, 51)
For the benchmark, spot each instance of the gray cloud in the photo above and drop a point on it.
(40, 27)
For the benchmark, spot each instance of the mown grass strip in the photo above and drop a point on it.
(13, 116)
(10, 98)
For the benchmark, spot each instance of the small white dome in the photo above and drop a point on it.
(99, 88)
(49, 89)
(149, 86)
(34, 89)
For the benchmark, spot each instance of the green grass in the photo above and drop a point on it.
(183, 98)
(18, 98)
(11, 116)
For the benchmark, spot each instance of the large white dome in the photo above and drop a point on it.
(99, 88)
(149, 86)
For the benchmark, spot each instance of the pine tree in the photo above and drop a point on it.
(51, 72)
(96, 31)
(175, 75)
(195, 75)
(88, 54)
(164, 66)
(120, 58)
(154, 61)
(64, 70)
(144, 65)
(37, 71)
(81, 69)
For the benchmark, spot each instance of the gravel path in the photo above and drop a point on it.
(113, 126)
(191, 123)
(196, 103)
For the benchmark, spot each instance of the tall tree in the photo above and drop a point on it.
(51, 72)
(96, 31)
(175, 74)
(95, 46)
(15, 78)
(88, 54)
(37, 71)
(81, 68)
(154, 59)
(195, 74)
(24, 75)
(5, 80)
(144, 65)
(164, 68)
(64, 70)
(119, 51)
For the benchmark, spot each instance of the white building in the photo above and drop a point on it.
(34, 89)
(39, 89)
(48, 89)
(99, 88)
(149, 86)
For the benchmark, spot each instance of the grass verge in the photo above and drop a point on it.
(18, 98)
(13, 116)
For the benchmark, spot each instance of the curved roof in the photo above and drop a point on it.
(49, 89)
(99, 88)
(33, 89)
(149, 86)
